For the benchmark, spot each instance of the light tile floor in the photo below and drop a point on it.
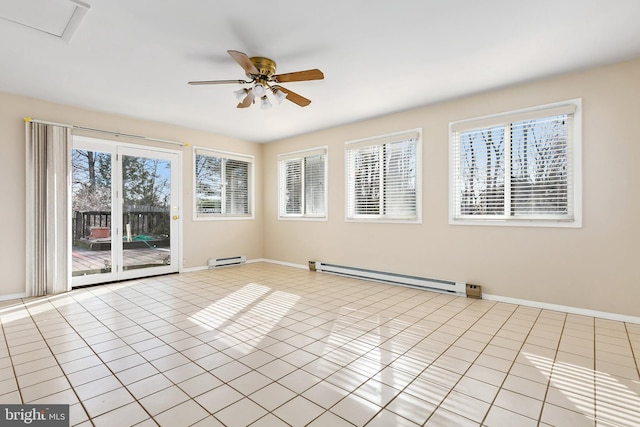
(267, 345)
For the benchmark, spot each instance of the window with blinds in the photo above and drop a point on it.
(303, 184)
(518, 168)
(223, 184)
(383, 178)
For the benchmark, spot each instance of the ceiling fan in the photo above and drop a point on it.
(264, 80)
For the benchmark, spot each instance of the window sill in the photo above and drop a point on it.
(224, 218)
(548, 223)
(303, 218)
(386, 220)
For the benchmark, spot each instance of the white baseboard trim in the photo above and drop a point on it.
(12, 296)
(193, 269)
(286, 264)
(206, 267)
(563, 308)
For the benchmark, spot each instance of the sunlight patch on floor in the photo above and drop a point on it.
(611, 399)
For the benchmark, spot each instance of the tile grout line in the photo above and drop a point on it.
(55, 356)
(90, 418)
(552, 368)
(462, 309)
(524, 341)
(135, 352)
(633, 352)
(595, 374)
(13, 366)
(342, 367)
(195, 361)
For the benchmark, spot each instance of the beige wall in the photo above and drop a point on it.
(593, 267)
(202, 239)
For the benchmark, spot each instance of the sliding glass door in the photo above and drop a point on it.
(125, 211)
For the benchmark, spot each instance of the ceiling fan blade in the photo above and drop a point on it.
(299, 76)
(294, 97)
(244, 61)
(247, 101)
(218, 82)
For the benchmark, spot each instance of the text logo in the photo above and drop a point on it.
(34, 415)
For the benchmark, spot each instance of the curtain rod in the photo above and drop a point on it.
(166, 141)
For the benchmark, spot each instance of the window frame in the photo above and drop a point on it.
(301, 155)
(506, 119)
(224, 156)
(380, 141)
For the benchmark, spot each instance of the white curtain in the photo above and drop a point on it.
(48, 206)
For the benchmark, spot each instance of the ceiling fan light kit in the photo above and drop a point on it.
(259, 90)
(279, 95)
(265, 104)
(262, 73)
(241, 94)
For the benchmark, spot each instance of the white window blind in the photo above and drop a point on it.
(517, 166)
(236, 178)
(383, 175)
(303, 184)
(222, 184)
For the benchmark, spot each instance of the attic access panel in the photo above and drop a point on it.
(59, 18)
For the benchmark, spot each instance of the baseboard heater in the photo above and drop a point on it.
(223, 262)
(437, 285)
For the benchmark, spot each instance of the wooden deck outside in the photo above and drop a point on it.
(93, 261)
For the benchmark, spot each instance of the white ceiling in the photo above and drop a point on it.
(135, 57)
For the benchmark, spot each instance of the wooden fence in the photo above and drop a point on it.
(97, 224)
